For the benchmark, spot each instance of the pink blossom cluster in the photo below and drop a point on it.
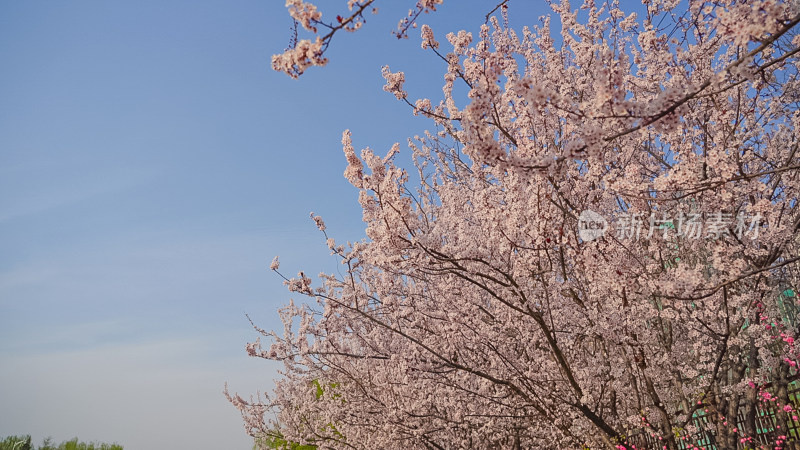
(394, 82)
(304, 53)
(428, 41)
(296, 60)
(304, 13)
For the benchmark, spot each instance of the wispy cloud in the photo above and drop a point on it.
(22, 199)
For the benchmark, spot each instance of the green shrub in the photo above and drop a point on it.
(16, 443)
(24, 443)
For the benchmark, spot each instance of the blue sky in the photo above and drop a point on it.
(151, 165)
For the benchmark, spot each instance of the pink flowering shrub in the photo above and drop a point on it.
(476, 313)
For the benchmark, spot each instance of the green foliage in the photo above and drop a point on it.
(16, 443)
(278, 442)
(320, 391)
(275, 439)
(24, 443)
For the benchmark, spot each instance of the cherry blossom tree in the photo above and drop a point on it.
(600, 247)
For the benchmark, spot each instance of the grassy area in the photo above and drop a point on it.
(24, 443)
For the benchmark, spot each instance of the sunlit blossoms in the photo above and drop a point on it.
(304, 13)
(296, 60)
(474, 315)
(304, 53)
(394, 82)
(428, 40)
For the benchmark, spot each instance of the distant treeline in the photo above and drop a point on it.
(24, 443)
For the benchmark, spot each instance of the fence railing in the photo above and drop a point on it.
(767, 430)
